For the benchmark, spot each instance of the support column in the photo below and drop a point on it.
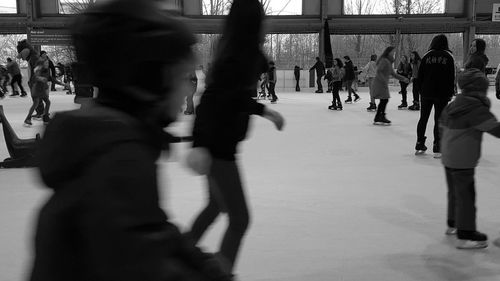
(469, 32)
(321, 39)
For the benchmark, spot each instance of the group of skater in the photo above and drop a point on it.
(268, 82)
(103, 220)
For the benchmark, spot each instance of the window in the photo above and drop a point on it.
(271, 7)
(8, 6)
(391, 7)
(73, 6)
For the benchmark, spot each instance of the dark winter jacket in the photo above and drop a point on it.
(476, 60)
(319, 67)
(103, 221)
(436, 75)
(13, 68)
(222, 116)
(404, 69)
(464, 120)
(349, 71)
(41, 78)
(271, 75)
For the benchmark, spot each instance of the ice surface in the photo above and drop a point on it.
(332, 197)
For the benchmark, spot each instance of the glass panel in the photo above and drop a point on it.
(389, 7)
(492, 50)
(8, 7)
(73, 6)
(271, 7)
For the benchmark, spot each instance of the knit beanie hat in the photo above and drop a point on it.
(472, 79)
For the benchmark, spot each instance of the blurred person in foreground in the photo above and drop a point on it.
(103, 221)
(222, 120)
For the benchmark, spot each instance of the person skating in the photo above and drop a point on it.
(320, 71)
(404, 69)
(477, 54)
(263, 84)
(380, 85)
(415, 61)
(329, 80)
(436, 81)
(271, 82)
(230, 84)
(103, 220)
(370, 71)
(349, 78)
(337, 74)
(463, 123)
(15, 72)
(28, 53)
(40, 91)
(296, 74)
(189, 99)
(4, 81)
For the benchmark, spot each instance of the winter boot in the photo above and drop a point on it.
(415, 106)
(420, 147)
(372, 107)
(381, 120)
(471, 240)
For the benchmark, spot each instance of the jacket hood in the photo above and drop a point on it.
(467, 102)
(473, 80)
(74, 139)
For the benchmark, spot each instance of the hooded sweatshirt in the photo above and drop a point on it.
(464, 120)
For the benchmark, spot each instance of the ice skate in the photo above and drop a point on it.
(372, 107)
(23, 95)
(420, 147)
(471, 240)
(332, 107)
(414, 107)
(319, 91)
(451, 231)
(339, 107)
(14, 94)
(357, 98)
(403, 105)
(348, 100)
(27, 123)
(381, 120)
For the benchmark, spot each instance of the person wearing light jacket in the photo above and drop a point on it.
(463, 123)
(370, 71)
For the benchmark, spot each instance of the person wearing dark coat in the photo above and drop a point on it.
(415, 62)
(271, 81)
(222, 119)
(15, 72)
(436, 81)
(320, 71)
(189, 99)
(476, 53)
(404, 69)
(103, 220)
(349, 78)
(296, 74)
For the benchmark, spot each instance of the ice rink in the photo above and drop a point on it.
(333, 197)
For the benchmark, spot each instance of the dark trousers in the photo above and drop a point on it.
(350, 90)
(461, 198)
(318, 81)
(19, 80)
(381, 106)
(297, 86)
(36, 105)
(404, 91)
(335, 93)
(416, 93)
(425, 112)
(270, 89)
(225, 195)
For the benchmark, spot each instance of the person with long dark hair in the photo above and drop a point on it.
(477, 54)
(404, 69)
(436, 81)
(415, 61)
(337, 73)
(222, 119)
(380, 85)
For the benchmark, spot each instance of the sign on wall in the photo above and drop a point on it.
(496, 12)
(52, 37)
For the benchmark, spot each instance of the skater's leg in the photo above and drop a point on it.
(451, 214)
(318, 81)
(335, 93)
(403, 92)
(209, 213)
(425, 112)
(438, 109)
(229, 183)
(46, 100)
(463, 180)
(36, 102)
(381, 106)
(272, 92)
(416, 93)
(370, 81)
(20, 84)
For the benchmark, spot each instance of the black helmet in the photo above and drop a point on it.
(126, 44)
